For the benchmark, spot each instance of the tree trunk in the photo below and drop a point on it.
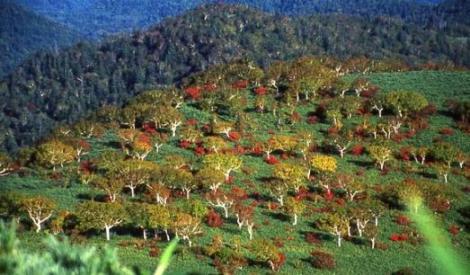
(445, 178)
(167, 235)
(382, 164)
(38, 226)
(108, 236)
(372, 243)
(144, 231)
(132, 191)
(250, 231)
(271, 264)
(268, 154)
(281, 200)
(225, 211)
(239, 222)
(227, 175)
(188, 192)
(342, 150)
(295, 220)
(339, 240)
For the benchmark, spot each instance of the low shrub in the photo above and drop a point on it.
(323, 260)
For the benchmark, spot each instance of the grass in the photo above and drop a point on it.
(351, 258)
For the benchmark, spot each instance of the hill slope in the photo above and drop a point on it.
(98, 18)
(23, 33)
(256, 180)
(61, 88)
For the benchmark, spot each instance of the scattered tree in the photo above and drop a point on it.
(39, 209)
(96, 215)
(55, 153)
(381, 154)
(5, 165)
(293, 175)
(267, 252)
(334, 223)
(223, 162)
(186, 226)
(294, 207)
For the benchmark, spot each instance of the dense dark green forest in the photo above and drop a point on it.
(98, 18)
(51, 88)
(22, 33)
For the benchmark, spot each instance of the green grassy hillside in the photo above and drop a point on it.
(354, 257)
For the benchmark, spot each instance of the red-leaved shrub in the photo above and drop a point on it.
(399, 237)
(402, 220)
(454, 230)
(199, 150)
(272, 205)
(149, 128)
(281, 259)
(446, 131)
(238, 193)
(332, 131)
(261, 90)
(193, 92)
(271, 160)
(322, 260)
(405, 153)
(154, 251)
(303, 193)
(257, 150)
(191, 122)
(329, 195)
(312, 238)
(357, 150)
(440, 205)
(184, 144)
(312, 120)
(234, 136)
(213, 219)
(240, 84)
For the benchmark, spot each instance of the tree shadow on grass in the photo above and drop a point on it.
(93, 197)
(112, 144)
(464, 217)
(321, 236)
(278, 216)
(362, 163)
(427, 175)
(232, 230)
(356, 240)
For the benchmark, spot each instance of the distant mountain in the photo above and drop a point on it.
(97, 18)
(457, 11)
(23, 33)
(52, 88)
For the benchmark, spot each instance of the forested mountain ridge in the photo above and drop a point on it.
(51, 88)
(104, 17)
(22, 33)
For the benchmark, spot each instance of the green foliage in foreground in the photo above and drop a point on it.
(58, 257)
(439, 245)
(165, 260)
